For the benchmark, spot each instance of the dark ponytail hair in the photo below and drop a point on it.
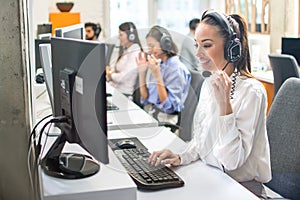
(243, 65)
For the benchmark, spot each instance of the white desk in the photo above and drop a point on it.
(41, 102)
(128, 119)
(120, 100)
(266, 76)
(201, 181)
(129, 115)
(110, 183)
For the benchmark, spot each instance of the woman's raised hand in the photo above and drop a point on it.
(222, 84)
(154, 66)
(142, 62)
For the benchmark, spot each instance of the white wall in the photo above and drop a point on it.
(90, 10)
(283, 24)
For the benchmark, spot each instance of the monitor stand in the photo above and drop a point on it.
(68, 165)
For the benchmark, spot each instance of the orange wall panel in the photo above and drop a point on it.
(62, 19)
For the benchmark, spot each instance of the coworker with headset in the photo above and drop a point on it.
(230, 120)
(167, 89)
(92, 31)
(187, 52)
(123, 76)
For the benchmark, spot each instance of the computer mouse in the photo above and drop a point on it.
(125, 144)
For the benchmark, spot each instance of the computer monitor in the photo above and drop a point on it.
(44, 28)
(76, 31)
(291, 46)
(37, 54)
(79, 93)
(46, 62)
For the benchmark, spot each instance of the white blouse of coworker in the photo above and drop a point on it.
(238, 141)
(125, 73)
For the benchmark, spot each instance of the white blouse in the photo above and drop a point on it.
(124, 75)
(237, 142)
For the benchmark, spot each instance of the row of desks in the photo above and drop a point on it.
(112, 182)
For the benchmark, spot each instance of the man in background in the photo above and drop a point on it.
(92, 31)
(187, 53)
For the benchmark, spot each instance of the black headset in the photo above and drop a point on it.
(232, 48)
(131, 35)
(97, 30)
(166, 42)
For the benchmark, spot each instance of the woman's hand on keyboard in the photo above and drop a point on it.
(164, 157)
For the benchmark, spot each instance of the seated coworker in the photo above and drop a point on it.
(230, 120)
(92, 31)
(187, 53)
(167, 88)
(123, 76)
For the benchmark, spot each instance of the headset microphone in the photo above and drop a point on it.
(206, 74)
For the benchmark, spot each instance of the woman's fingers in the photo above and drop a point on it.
(164, 157)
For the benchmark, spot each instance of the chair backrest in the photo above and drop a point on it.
(45, 56)
(108, 51)
(283, 127)
(190, 104)
(136, 96)
(283, 66)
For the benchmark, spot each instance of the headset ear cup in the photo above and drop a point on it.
(233, 50)
(131, 37)
(166, 43)
(97, 32)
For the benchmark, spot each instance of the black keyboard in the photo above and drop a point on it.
(111, 106)
(145, 175)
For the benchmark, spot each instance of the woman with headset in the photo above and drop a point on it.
(164, 93)
(230, 120)
(123, 76)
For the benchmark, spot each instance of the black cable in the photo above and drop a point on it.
(233, 84)
(233, 80)
(47, 135)
(33, 135)
(37, 147)
(59, 119)
(225, 66)
(33, 130)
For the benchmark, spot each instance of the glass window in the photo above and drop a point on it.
(121, 11)
(172, 14)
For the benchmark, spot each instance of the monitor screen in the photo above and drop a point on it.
(37, 43)
(44, 28)
(76, 31)
(46, 62)
(79, 93)
(291, 46)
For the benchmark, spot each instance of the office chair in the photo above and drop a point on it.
(186, 117)
(136, 96)
(283, 130)
(283, 66)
